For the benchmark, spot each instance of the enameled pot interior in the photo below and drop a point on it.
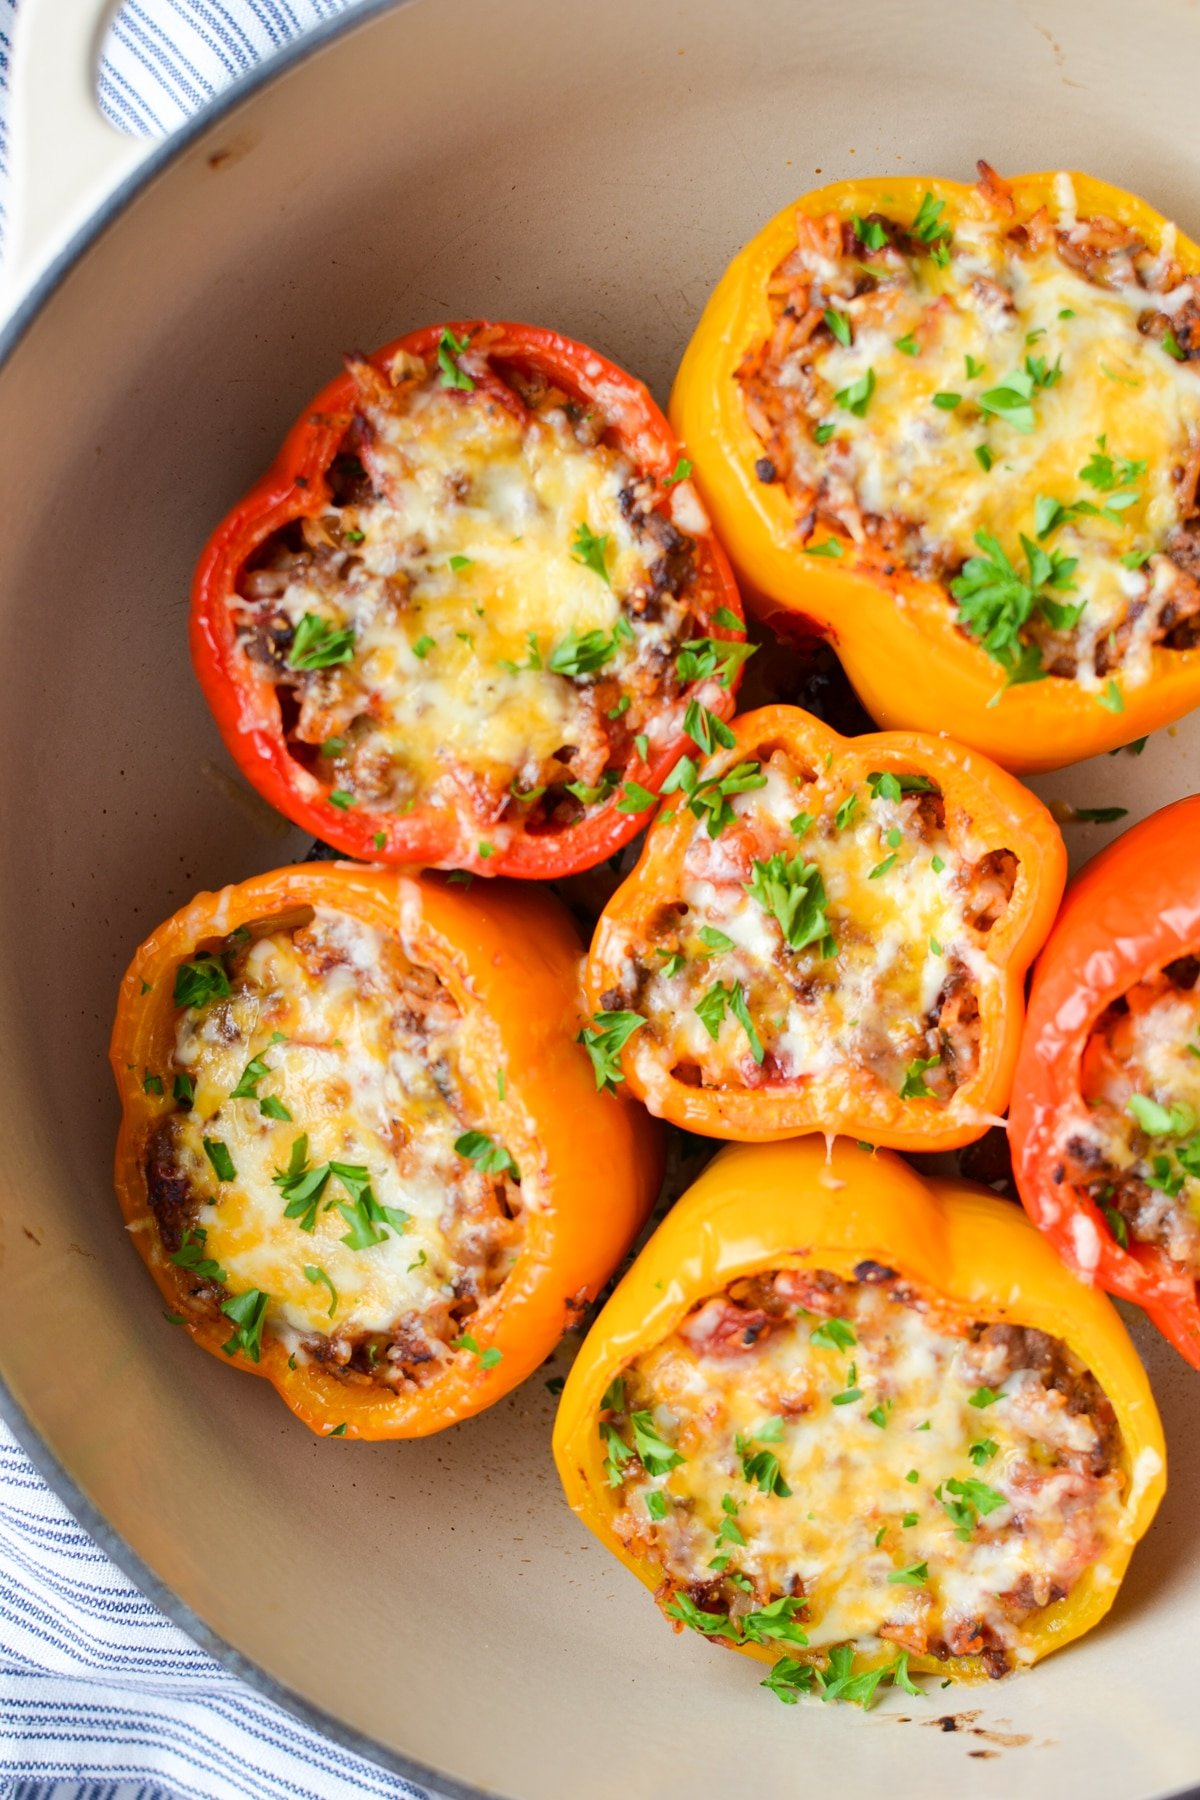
(590, 167)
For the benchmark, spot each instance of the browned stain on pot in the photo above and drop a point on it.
(966, 1722)
(232, 152)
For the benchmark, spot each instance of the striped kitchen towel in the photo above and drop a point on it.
(101, 1697)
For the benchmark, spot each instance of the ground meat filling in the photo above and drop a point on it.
(326, 1172)
(1136, 1152)
(1008, 407)
(815, 1461)
(832, 924)
(486, 617)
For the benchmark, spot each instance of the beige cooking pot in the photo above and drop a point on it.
(590, 166)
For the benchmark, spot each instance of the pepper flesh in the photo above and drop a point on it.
(1000, 812)
(243, 699)
(511, 956)
(1134, 908)
(796, 1206)
(897, 635)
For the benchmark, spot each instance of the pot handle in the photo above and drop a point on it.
(64, 155)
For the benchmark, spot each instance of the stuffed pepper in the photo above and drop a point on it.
(1105, 1127)
(359, 1145)
(462, 619)
(856, 1423)
(826, 934)
(958, 430)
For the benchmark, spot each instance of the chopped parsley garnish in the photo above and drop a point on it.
(793, 892)
(789, 1678)
(319, 644)
(1013, 399)
(673, 961)
(914, 1576)
(886, 786)
(857, 396)
(969, 1501)
(218, 1155)
(589, 549)
(1111, 699)
(802, 822)
(869, 232)
(656, 1504)
(700, 658)
(489, 1157)
(301, 1186)
(727, 618)
(247, 1087)
(588, 796)
(1105, 472)
(710, 799)
(839, 324)
(824, 432)
(995, 603)
(710, 1010)
(423, 646)
(152, 1084)
(458, 563)
(833, 1334)
(984, 1396)
(363, 1213)
(847, 1397)
(984, 457)
(487, 1359)
(680, 472)
(829, 546)
(1101, 815)
(878, 1416)
(1117, 1225)
(845, 812)
(192, 1256)
(582, 654)
(1172, 346)
(449, 350)
(604, 1039)
(761, 1468)
(200, 981)
(184, 1090)
(246, 1313)
(881, 868)
(714, 939)
(705, 729)
(914, 1086)
(1161, 1121)
(343, 799)
(947, 401)
(908, 345)
(656, 1456)
(314, 1274)
(930, 228)
(983, 1451)
(272, 1107)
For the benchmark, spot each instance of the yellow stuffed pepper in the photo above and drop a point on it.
(957, 430)
(856, 1423)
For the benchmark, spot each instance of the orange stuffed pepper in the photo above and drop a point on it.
(957, 430)
(827, 934)
(359, 1146)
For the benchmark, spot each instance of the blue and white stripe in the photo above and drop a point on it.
(101, 1696)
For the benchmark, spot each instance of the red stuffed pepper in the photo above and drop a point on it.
(1105, 1122)
(467, 616)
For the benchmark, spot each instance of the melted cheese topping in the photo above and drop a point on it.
(364, 1053)
(868, 1418)
(465, 583)
(871, 995)
(936, 341)
(1137, 1145)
